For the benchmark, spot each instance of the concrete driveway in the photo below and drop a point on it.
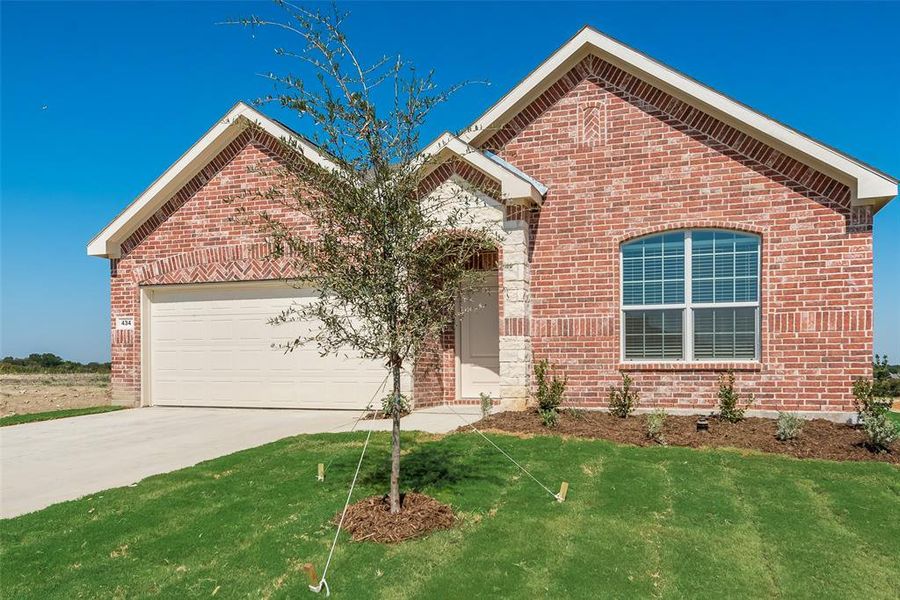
(52, 461)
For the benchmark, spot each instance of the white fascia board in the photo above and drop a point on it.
(512, 185)
(106, 243)
(540, 187)
(868, 185)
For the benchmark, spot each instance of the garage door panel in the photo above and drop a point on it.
(214, 347)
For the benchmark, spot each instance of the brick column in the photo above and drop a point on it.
(515, 339)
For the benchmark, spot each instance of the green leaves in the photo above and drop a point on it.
(390, 258)
(729, 399)
(624, 399)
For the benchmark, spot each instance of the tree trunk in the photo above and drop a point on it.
(395, 439)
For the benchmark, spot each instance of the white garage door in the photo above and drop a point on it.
(212, 346)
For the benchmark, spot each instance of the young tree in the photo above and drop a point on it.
(389, 260)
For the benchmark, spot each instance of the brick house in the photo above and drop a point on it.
(647, 224)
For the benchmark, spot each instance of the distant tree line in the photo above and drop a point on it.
(49, 363)
(886, 377)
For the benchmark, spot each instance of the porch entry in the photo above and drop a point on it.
(478, 342)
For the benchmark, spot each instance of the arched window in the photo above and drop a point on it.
(691, 296)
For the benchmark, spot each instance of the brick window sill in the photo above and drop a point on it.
(691, 366)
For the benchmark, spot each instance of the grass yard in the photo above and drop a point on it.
(638, 523)
(55, 414)
(895, 417)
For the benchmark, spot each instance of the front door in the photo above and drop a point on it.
(478, 343)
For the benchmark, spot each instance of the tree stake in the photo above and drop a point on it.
(311, 574)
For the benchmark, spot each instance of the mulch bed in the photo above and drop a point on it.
(371, 520)
(819, 438)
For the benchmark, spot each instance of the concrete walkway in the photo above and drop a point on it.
(52, 461)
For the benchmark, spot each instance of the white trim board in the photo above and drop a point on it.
(514, 185)
(869, 186)
(107, 243)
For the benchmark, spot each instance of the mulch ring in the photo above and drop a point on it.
(819, 438)
(371, 520)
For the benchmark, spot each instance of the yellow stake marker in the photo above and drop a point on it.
(563, 490)
(321, 475)
(311, 574)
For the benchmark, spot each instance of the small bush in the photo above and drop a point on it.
(550, 388)
(623, 399)
(487, 403)
(881, 431)
(549, 417)
(575, 413)
(789, 426)
(864, 392)
(387, 404)
(873, 414)
(655, 422)
(550, 391)
(729, 399)
(882, 382)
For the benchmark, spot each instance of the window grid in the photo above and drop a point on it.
(657, 332)
(751, 261)
(724, 267)
(653, 273)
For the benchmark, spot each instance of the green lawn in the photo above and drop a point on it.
(638, 523)
(55, 414)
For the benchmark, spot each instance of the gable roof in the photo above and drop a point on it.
(868, 185)
(233, 123)
(514, 184)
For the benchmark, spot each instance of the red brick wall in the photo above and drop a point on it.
(196, 238)
(623, 159)
(434, 375)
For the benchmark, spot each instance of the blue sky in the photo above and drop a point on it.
(99, 98)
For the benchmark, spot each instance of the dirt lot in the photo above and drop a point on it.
(39, 392)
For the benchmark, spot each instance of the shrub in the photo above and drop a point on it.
(550, 388)
(889, 388)
(387, 404)
(550, 391)
(881, 431)
(655, 422)
(575, 413)
(789, 426)
(864, 392)
(729, 399)
(549, 417)
(49, 363)
(487, 403)
(882, 382)
(623, 399)
(873, 414)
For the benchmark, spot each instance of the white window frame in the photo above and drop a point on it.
(687, 307)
